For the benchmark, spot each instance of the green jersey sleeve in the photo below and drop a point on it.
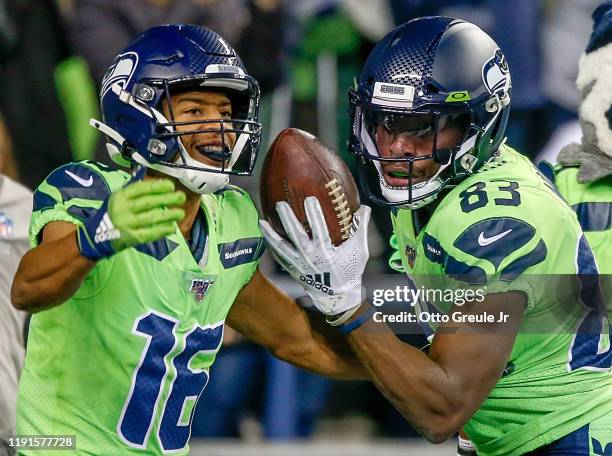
(71, 192)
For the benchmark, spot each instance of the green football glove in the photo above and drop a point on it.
(141, 212)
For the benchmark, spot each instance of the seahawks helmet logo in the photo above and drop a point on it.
(495, 74)
(121, 71)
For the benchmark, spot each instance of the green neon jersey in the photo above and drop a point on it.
(505, 229)
(592, 202)
(122, 363)
(593, 205)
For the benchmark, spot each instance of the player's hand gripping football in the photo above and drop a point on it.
(330, 275)
(142, 211)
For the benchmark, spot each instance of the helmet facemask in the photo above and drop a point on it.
(239, 135)
(389, 177)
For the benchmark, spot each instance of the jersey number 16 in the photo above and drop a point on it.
(139, 410)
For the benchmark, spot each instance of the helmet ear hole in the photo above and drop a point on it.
(468, 161)
(492, 104)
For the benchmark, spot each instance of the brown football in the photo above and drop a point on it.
(299, 165)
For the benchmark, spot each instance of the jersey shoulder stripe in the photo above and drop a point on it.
(592, 202)
(77, 180)
(84, 180)
(594, 216)
(495, 238)
(43, 201)
(521, 264)
(71, 192)
(503, 216)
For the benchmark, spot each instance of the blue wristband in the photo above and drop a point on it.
(357, 322)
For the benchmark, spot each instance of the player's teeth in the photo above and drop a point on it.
(210, 149)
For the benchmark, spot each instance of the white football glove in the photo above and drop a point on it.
(330, 275)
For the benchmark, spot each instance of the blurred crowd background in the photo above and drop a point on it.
(305, 54)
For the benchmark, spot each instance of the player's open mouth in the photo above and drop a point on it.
(214, 152)
(399, 178)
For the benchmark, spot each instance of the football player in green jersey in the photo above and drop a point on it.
(429, 112)
(584, 173)
(134, 276)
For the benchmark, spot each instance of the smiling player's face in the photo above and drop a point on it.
(209, 108)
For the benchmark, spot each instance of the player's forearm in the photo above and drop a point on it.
(49, 274)
(264, 314)
(315, 346)
(298, 338)
(324, 355)
(418, 387)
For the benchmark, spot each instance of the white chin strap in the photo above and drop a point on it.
(196, 180)
(422, 193)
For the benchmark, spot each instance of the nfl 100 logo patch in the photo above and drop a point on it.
(199, 287)
(7, 227)
(411, 255)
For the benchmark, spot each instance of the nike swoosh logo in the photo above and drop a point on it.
(484, 241)
(80, 180)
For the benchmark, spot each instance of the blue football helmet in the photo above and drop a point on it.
(161, 61)
(426, 74)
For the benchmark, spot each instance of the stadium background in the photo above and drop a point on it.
(305, 54)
